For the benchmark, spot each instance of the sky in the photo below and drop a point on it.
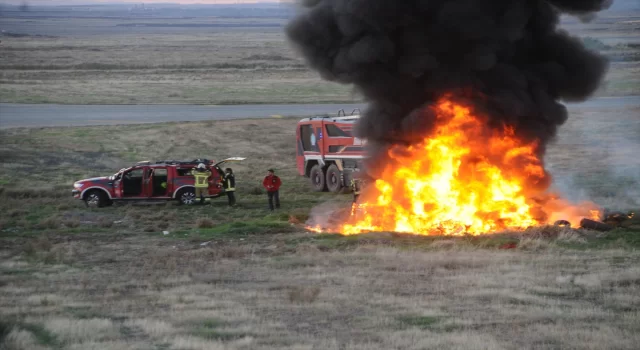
(88, 2)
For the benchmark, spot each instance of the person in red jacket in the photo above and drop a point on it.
(272, 184)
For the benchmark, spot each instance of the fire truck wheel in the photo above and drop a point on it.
(318, 182)
(96, 199)
(186, 196)
(333, 179)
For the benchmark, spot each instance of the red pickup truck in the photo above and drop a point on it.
(147, 181)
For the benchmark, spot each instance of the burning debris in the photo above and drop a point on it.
(617, 218)
(595, 225)
(562, 223)
(611, 220)
(463, 99)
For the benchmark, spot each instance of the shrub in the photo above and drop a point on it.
(64, 206)
(256, 191)
(71, 223)
(232, 252)
(205, 223)
(105, 222)
(17, 213)
(35, 246)
(134, 213)
(298, 216)
(51, 222)
(304, 294)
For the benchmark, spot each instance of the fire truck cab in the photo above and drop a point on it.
(327, 151)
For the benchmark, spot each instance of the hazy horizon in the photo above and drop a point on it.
(617, 4)
(102, 2)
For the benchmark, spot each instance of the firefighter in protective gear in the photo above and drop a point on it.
(230, 186)
(357, 182)
(202, 174)
(356, 187)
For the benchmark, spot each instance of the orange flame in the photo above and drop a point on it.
(316, 228)
(464, 178)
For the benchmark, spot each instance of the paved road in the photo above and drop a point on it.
(43, 115)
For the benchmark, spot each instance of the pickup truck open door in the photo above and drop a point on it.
(232, 159)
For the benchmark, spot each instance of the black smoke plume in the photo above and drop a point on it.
(506, 57)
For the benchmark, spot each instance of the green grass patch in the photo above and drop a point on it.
(212, 323)
(492, 241)
(210, 329)
(43, 336)
(620, 238)
(423, 322)
(260, 226)
(215, 334)
(5, 328)
(19, 272)
(327, 241)
(337, 241)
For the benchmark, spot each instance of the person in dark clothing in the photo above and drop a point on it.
(230, 186)
(272, 184)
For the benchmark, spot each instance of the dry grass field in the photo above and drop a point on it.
(179, 66)
(114, 61)
(124, 292)
(163, 276)
(79, 278)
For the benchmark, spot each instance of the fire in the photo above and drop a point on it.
(464, 178)
(316, 228)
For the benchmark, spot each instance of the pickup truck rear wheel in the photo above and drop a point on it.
(96, 199)
(186, 196)
(317, 177)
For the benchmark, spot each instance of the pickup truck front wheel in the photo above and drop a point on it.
(96, 199)
(186, 196)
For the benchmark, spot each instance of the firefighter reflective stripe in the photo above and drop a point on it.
(201, 178)
(355, 186)
(230, 183)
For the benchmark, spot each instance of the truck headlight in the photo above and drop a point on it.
(76, 185)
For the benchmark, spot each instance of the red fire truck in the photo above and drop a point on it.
(327, 151)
